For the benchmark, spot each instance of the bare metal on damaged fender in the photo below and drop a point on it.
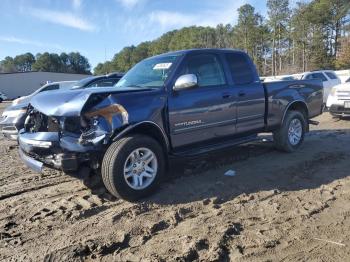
(103, 118)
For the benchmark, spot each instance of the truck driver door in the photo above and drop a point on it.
(206, 111)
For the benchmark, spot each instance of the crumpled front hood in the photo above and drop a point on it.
(70, 102)
(60, 103)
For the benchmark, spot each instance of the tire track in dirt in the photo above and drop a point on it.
(305, 169)
(73, 207)
(134, 237)
(19, 191)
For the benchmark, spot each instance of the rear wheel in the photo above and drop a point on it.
(291, 134)
(132, 167)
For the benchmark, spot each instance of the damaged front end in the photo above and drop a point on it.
(64, 140)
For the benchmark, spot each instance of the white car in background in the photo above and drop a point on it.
(338, 101)
(2, 97)
(343, 75)
(279, 78)
(329, 80)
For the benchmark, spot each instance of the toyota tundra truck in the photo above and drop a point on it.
(182, 103)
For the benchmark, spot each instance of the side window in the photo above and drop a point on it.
(50, 87)
(241, 69)
(207, 68)
(319, 76)
(331, 75)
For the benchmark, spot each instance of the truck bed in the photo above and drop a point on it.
(282, 94)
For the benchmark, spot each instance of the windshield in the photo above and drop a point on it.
(149, 73)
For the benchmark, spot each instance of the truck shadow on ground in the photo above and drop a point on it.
(202, 178)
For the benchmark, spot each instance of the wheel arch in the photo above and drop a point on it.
(147, 128)
(300, 106)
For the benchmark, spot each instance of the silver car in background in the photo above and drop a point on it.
(12, 118)
(2, 97)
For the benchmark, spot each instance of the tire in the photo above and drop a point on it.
(119, 159)
(282, 138)
(1, 100)
(335, 115)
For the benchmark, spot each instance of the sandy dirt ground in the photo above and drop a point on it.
(278, 207)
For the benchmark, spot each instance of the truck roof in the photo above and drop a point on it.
(202, 50)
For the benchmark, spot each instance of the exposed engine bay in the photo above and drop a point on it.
(64, 142)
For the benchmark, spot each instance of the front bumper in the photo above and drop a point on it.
(45, 149)
(339, 110)
(30, 162)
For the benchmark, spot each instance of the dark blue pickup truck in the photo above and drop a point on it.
(181, 103)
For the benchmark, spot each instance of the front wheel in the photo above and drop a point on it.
(132, 167)
(291, 134)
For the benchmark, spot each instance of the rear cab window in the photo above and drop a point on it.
(241, 69)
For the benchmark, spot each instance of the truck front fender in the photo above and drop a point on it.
(149, 128)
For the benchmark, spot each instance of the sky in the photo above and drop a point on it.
(100, 28)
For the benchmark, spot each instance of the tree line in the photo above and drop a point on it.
(310, 36)
(72, 62)
(313, 35)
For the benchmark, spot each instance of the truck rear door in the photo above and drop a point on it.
(206, 111)
(250, 93)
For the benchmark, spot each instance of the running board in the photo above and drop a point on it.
(313, 122)
(214, 147)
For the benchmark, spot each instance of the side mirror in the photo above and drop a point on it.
(185, 82)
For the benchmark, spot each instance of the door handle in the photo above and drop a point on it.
(241, 93)
(226, 95)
